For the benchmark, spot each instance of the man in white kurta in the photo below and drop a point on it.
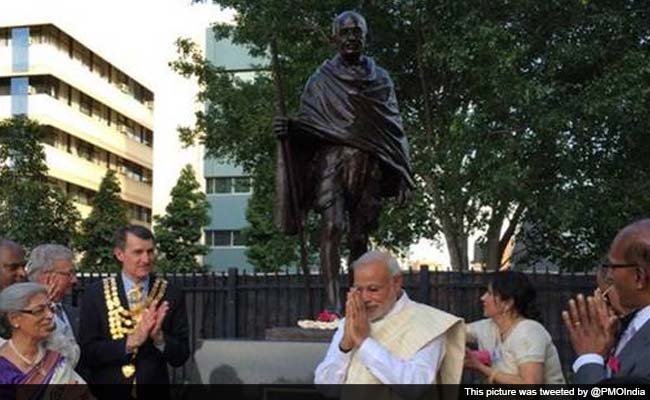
(386, 338)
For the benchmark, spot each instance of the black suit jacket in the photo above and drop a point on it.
(104, 357)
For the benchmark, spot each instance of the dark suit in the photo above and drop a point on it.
(633, 360)
(104, 357)
(72, 313)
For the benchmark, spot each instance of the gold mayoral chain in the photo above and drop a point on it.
(122, 322)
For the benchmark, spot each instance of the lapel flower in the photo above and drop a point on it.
(614, 364)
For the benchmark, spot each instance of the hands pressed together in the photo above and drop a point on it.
(357, 324)
(150, 326)
(592, 325)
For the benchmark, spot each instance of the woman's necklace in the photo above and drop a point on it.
(506, 332)
(22, 357)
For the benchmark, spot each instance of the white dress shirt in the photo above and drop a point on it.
(62, 338)
(420, 369)
(635, 325)
(129, 284)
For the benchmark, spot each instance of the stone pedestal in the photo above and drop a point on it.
(297, 334)
(259, 362)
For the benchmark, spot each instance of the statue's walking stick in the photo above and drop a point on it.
(284, 156)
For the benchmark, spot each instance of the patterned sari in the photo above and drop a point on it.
(52, 369)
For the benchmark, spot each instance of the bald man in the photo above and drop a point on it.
(12, 263)
(605, 348)
(12, 267)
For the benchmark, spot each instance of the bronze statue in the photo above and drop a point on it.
(346, 151)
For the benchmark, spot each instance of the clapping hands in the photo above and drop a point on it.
(156, 333)
(149, 326)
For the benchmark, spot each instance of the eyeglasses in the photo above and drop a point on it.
(617, 266)
(68, 274)
(39, 311)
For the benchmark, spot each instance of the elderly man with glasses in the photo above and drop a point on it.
(608, 346)
(52, 265)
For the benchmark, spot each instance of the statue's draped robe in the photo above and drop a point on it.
(349, 106)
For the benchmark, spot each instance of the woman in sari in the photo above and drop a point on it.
(29, 317)
(513, 347)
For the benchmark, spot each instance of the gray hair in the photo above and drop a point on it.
(16, 297)
(43, 257)
(339, 19)
(376, 256)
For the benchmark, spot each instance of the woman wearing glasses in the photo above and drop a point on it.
(28, 315)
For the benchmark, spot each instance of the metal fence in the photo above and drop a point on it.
(240, 305)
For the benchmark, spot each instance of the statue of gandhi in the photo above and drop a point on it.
(347, 150)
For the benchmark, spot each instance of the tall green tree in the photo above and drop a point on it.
(515, 111)
(601, 65)
(96, 239)
(178, 232)
(266, 249)
(32, 211)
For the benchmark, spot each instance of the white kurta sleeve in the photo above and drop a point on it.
(421, 369)
(333, 369)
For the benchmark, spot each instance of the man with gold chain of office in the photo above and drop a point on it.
(133, 324)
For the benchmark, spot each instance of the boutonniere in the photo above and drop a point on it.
(614, 364)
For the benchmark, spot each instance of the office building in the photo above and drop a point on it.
(96, 116)
(228, 187)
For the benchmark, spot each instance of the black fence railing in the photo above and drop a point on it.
(243, 305)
